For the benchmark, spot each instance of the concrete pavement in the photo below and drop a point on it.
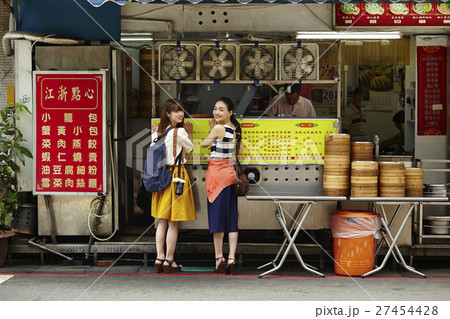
(198, 283)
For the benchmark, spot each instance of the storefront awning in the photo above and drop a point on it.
(98, 3)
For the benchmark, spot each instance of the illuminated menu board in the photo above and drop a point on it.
(393, 14)
(69, 133)
(271, 141)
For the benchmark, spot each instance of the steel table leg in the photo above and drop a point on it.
(394, 245)
(383, 232)
(299, 212)
(282, 223)
(281, 220)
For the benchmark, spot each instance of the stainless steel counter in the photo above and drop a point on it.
(399, 199)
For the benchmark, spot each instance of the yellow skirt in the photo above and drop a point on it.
(168, 205)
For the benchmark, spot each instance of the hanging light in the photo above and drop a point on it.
(295, 1)
(244, 1)
(136, 36)
(348, 35)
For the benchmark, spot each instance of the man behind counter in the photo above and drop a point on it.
(291, 103)
(353, 118)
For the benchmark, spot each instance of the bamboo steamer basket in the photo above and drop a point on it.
(357, 191)
(337, 144)
(364, 179)
(335, 185)
(392, 167)
(414, 182)
(391, 179)
(336, 171)
(337, 161)
(367, 165)
(362, 151)
(336, 179)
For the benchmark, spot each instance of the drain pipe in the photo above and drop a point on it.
(31, 242)
(96, 223)
(36, 37)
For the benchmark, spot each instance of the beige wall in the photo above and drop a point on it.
(6, 63)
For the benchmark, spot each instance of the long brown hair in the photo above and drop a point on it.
(171, 105)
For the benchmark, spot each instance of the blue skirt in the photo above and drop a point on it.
(222, 213)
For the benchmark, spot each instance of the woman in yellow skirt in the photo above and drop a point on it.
(168, 207)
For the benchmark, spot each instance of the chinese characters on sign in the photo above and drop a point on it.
(432, 83)
(272, 141)
(69, 138)
(393, 14)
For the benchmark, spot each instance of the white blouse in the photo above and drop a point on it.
(183, 141)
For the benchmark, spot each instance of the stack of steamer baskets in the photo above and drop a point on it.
(397, 181)
(337, 165)
(364, 174)
(392, 179)
(368, 178)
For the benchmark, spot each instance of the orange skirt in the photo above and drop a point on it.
(168, 205)
(220, 174)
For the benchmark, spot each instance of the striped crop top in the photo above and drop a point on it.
(225, 147)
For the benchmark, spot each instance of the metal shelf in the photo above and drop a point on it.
(275, 82)
(444, 203)
(421, 217)
(435, 236)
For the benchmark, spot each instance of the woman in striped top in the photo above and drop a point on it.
(220, 178)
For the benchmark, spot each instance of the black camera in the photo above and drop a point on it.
(179, 190)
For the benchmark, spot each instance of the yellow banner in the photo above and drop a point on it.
(271, 141)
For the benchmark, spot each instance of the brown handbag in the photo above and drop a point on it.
(241, 184)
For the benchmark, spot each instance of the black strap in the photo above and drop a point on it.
(237, 164)
(178, 159)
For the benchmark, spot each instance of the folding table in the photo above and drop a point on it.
(298, 217)
(387, 230)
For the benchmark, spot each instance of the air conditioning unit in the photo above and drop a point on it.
(257, 62)
(177, 62)
(218, 62)
(299, 62)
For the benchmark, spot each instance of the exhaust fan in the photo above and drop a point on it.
(299, 62)
(218, 62)
(177, 62)
(257, 62)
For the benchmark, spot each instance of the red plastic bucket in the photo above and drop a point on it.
(354, 241)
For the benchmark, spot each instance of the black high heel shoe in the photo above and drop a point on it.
(168, 269)
(159, 267)
(231, 267)
(221, 268)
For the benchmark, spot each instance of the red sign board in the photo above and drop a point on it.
(432, 83)
(393, 14)
(69, 138)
